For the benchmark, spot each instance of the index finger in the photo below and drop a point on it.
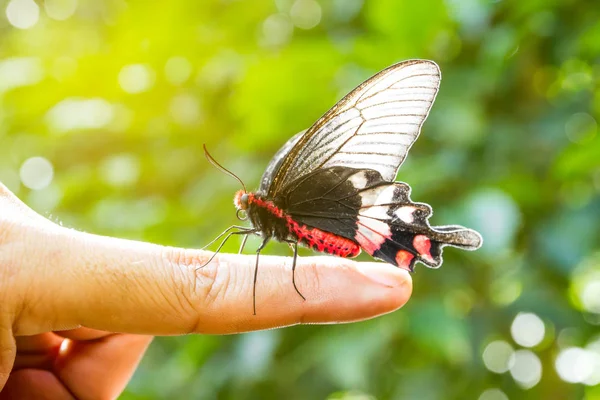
(126, 286)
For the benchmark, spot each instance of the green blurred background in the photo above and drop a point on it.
(105, 105)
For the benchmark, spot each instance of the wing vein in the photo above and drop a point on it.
(397, 100)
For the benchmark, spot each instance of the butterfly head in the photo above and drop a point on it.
(241, 200)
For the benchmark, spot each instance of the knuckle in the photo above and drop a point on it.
(219, 282)
(199, 288)
(182, 300)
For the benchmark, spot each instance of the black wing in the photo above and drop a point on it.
(379, 215)
(373, 127)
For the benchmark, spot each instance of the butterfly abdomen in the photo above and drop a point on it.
(275, 219)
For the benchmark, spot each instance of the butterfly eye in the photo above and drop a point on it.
(244, 201)
(242, 215)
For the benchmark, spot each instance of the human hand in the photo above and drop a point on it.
(63, 292)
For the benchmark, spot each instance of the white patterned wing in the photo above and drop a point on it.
(391, 111)
(373, 127)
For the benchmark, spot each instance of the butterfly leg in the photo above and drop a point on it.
(223, 233)
(243, 244)
(262, 246)
(242, 232)
(295, 244)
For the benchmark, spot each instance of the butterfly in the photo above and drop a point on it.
(331, 188)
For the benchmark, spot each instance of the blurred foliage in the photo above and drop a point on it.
(117, 97)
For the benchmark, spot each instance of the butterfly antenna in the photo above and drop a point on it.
(222, 168)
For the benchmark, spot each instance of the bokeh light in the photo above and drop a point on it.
(527, 329)
(22, 14)
(120, 170)
(136, 78)
(19, 71)
(276, 30)
(493, 394)
(185, 109)
(306, 14)
(60, 10)
(585, 285)
(526, 369)
(578, 365)
(36, 173)
(498, 356)
(593, 349)
(178, 70)
(73, 114)
(590, 295)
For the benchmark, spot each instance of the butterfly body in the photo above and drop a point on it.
(273, 222)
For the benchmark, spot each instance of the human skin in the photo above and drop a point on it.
(77, 311)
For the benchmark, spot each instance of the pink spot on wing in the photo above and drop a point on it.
(371, 234)
(403, 259)
(422, 244)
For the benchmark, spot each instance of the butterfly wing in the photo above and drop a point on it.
(373, 127)
(379, 215)
(276, 161)
(338, 175)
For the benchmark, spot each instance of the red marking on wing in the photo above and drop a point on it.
(324, 242)
(423, 245)
(371, 234)
(403, 259)
(316, 239)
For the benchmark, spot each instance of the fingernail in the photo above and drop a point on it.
(383, 274)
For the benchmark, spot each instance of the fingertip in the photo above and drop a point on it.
(385, 274)
(398, 280)
(362, 290)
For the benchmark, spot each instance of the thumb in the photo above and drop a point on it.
(79, 279)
